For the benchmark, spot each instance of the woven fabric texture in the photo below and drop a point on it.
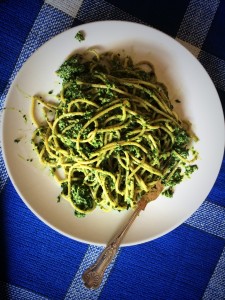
(38, 263)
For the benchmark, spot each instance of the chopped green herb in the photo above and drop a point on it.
(80, 36)
(176, 178)
(190, 169)
(178, 101)
(50, 92)
(168, 192)
(78, 214)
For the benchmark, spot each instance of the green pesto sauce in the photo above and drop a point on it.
(77, 70)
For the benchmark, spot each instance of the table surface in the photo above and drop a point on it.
(38, 263)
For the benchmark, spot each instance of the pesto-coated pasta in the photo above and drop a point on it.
(112, 134)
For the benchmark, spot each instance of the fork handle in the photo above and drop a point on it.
(93, 276)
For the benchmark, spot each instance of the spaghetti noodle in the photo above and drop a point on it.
(112, 134)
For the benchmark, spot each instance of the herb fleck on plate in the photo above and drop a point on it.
(17, 140)
(80, 36)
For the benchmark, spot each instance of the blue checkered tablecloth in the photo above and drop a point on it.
(39, 263)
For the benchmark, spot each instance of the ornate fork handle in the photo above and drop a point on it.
(93, 276)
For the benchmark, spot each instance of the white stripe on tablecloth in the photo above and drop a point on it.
(215, 288)
(70, 7)
(106, 11)
(48, 23)
(3, 172)
(197, 21)
(210, 218)
(12, 292)
(77, 290)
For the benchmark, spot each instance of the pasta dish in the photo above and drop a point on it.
(112, 133)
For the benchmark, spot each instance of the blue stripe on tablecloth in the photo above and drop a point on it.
(215, 289)
(32, 255)
(14, 32)
(12, 292)
(77, 290)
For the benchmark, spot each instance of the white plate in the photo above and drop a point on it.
(186, 79)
